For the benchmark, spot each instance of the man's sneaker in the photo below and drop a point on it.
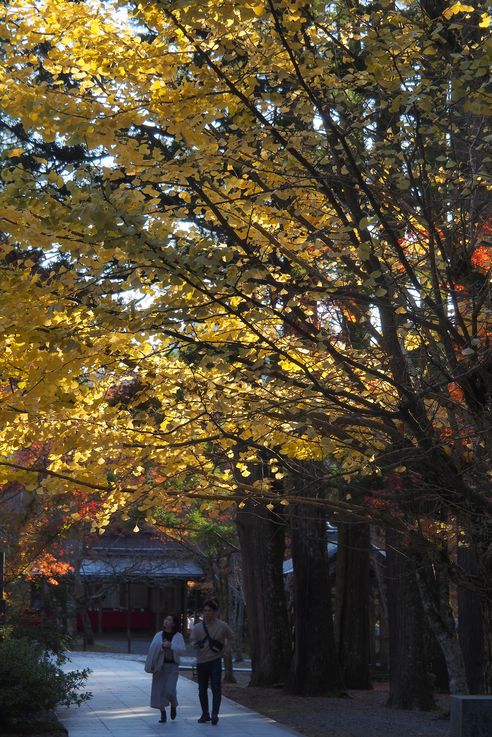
(204, 718)
(215, 719)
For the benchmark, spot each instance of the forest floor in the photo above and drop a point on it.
(360, 714)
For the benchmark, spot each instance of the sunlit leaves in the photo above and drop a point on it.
(273, 240)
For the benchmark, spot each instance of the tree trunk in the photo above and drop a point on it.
(87, 631)
(223, 572)
(475, 607)
(410, 685)
(433, 585)
(315, 669)
(262, 541)
(437, 662)
(229, 676)
(486, 609)
(381, 606)
(236, 606)
(353, 604)
(483, 546)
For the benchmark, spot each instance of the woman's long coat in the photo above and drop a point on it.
(164, 675)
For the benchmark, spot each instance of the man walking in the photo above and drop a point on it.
(210, 638)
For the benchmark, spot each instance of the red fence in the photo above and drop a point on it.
(118, 620)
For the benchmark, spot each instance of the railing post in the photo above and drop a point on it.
(471, 716)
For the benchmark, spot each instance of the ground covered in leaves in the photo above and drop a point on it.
(360, 714)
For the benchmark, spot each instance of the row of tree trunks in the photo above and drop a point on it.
(314, 656)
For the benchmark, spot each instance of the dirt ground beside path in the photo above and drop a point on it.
(362, 714)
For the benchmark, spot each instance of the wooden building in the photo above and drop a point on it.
(129, 582)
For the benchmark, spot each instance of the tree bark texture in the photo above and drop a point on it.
(315, 669)
(475, 606)
(484, 552)
(381, 610)
(410, 685)
(353, 604)
(262, 541)
(433, 585)
(236, 606)
(487, 629)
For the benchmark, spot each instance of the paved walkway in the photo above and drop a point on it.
(119, 706)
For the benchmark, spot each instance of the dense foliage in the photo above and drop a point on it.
(33, 682)
(251, 232)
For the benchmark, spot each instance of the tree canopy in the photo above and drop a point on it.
(243, 232)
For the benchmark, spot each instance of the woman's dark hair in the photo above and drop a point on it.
(211, 603)
(176, 622)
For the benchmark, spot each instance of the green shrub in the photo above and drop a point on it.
(31, 681)
(42, 629)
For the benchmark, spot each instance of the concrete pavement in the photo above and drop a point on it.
(120, 705)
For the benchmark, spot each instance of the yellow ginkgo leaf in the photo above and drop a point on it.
(457, 8)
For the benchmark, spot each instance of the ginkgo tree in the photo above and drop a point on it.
(294, 198)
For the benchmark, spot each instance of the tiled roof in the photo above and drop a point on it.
(139, 567)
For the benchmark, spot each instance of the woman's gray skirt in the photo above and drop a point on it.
(164, 683)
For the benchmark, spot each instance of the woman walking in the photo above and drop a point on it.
(162, 661)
